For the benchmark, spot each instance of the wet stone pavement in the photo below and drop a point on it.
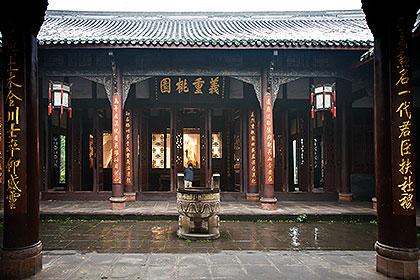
(114, 236)
(118, 249)
(317, 265)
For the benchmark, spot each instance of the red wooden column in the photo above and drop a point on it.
(129, 191)
(397, 253)
(268, 201)
(253, 192)
(118, 199)
(21, 253)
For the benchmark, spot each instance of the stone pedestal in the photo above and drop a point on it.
(118, 203)
(131, 196)
(346, 197)
(268, 203)
(198, 214)
(20, 263)
(374, 203)
(198, 209)
(397, 262)
(254, 197)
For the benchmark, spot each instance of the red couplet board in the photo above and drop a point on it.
(116, 139)
(268, 139)
(128, 155)
(252, 140)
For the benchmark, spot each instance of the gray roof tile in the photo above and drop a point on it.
(327, 29)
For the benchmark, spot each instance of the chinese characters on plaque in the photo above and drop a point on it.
(401, 126)
(268, 139)
(252, 149)
(116, 140)
(198, 86)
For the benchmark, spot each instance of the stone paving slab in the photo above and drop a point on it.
(223, 265)
(228, 208)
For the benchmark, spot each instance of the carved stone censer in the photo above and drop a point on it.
(198, 209)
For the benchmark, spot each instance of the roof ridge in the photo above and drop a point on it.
(251, 14)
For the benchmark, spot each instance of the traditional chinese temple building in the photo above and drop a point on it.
(152, 92)
(101, 105)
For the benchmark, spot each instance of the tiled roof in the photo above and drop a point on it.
(326, 29)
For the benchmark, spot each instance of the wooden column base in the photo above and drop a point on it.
(118, 203)
(346, 197)
(21, 263)
(131, 196)
(268, 203)
(255, 197)
(397, 262)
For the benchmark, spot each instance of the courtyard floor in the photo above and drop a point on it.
(229, 209)
(87, 240)
(224, 265)
(264, 249)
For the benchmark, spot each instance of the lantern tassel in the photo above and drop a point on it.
(49, 109)
(313, 112)
(70, 113)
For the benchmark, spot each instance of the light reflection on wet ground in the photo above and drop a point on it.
(160, 236)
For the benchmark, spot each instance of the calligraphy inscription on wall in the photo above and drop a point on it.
(116, 139)
(252, 139)
(403, 178)
(14, 105)
(268, 139)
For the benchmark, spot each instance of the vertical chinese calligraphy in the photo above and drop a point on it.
(127, 147)
(13, 105)
(401, 124)
(116, 139)
(252, 139)
(268, 139)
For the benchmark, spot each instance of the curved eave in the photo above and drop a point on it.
(253, 44)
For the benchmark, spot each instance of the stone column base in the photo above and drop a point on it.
(374, 203)
(118, 203)
(255, 197)
(21, 263)
(131, 196)
(346, 197)
(268, 203)
(397, 262)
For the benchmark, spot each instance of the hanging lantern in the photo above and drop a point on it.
(59, 97)
(323, 98)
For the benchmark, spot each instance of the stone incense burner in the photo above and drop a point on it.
(198, 209)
